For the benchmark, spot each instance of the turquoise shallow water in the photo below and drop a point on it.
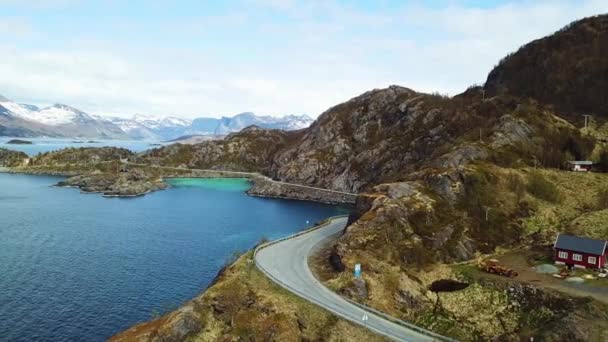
(221, 184)
(80, 267)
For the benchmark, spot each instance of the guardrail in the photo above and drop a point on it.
(246, 175)
(318, 226)
(327, 307)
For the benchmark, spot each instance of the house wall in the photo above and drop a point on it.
(600, 259)
(582, 168)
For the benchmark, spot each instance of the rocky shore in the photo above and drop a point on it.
(265, 187)
(138, 180)
(125, 184)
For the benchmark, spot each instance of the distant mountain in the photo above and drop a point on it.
(142, 127)
(196, 138)
(24, 120)
(56, 121)
(287, 123)
(169, 128)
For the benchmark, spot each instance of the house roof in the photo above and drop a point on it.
(580, 244)
(581, 162)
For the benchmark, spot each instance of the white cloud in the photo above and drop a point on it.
(306, 66)
(18, 27)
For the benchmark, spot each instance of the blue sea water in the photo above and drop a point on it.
(76, 267)
(40, 145)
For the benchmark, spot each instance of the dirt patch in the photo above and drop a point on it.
(319, 262)
(522, 261)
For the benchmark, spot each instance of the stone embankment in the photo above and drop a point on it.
(142, 179)
(266, 187)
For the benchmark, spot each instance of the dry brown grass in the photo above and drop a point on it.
(254, 308)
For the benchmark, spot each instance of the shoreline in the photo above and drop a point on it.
(183, 321)
(261, 186)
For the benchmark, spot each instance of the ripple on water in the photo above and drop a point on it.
(81, 268)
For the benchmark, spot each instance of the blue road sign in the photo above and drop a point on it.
(357, 270)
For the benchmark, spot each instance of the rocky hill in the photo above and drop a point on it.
(9, 158)
(80, 156)
(568, 70)
(252, 149)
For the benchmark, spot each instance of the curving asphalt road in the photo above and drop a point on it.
(286, 263)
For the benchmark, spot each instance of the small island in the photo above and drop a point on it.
(19, 142)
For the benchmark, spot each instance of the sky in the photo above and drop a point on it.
(274, 57)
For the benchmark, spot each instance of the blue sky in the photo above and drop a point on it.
(213, 58)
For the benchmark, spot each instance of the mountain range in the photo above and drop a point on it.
(59, 120)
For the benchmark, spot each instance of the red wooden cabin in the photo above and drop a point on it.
(580, 251)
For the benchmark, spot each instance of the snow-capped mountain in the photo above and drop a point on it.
(144, 127)
(236, 123)
(168, 128)
(56, 120)
(64, 121)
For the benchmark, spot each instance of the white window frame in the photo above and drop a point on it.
(592, 260)
(562, 255)
(577, 257)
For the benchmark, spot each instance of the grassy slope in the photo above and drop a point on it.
(243, 303)
(402, 290)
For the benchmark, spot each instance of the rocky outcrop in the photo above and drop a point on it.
(82, 156)
(365, 140)
(10, 158)
(566, 70)
(124, 184)
(175, 326)
(243, 305)
(265, 187)
(400, 224)
(251, 149)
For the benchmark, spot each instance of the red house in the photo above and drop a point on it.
(580, 252)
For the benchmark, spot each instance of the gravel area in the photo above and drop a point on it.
(575, 280)
(546, 268)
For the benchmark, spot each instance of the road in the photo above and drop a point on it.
(244, 175)
(286, 263)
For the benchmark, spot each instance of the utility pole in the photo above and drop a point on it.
(586, 120)
(487, 209)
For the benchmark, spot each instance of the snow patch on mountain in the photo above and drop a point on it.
(63, 120)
